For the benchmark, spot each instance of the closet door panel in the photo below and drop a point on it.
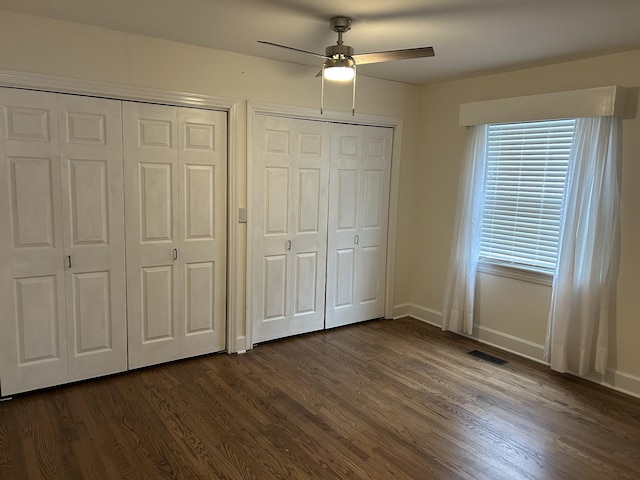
(156, 187)
(274, 270)
(93, 212)
(32, 185)
(176, 231)
(157, 304)
(37, 318)
(88, 202)
(274, 282)
(33, 344)
(309, 207)
(152, 211)
(36, 328)
(358, 216)
(375, 181)
(374, 202)
(91, 312)
(343, 275)
(202, 155)
(289, 208)
(200, 201)
(306, 270)
(347, 193)
(276, 200)
(307, 258)
(343, 286)
(200, 286)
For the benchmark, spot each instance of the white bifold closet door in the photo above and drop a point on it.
(358, 219)
(289, 226)
(62, 278)
(319, 214)
(175, 186)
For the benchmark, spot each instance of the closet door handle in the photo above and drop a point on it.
(175, 254)
(356, 239)
(69, 261)
(288, 244)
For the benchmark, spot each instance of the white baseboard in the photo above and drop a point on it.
(619, 381)
(432, 317)
(616, 380)
(510, 343)
(400, 311)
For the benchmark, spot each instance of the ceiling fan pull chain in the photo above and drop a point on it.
(353, 96)
(322, 92)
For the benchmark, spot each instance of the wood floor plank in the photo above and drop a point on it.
(378, 400)
(12, 461)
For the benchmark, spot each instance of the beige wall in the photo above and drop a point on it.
(510, 312)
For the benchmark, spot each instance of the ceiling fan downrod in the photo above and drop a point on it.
(339, 50)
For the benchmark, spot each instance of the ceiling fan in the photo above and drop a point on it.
(340, 60)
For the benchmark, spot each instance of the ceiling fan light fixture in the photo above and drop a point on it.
(339, 69)
(340, 59)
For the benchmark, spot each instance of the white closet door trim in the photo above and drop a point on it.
(259, 108)
(92, 88)
(236, 318)
(273, 109)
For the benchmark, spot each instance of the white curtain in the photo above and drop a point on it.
(457, 311)
(577, 333)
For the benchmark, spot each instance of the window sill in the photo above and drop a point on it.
(517, 273)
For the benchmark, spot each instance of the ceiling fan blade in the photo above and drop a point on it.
(292, 48)
(406, 54)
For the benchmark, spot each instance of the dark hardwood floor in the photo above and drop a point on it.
(380, 400)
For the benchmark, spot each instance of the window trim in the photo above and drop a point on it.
(515, 272)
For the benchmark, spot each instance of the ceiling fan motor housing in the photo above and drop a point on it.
(340, 24)
(339, 51)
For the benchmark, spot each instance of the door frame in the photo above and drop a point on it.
(235, 165)
(302, 113)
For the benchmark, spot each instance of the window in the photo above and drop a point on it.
(525, 175)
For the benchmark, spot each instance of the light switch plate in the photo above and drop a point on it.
(242, 215)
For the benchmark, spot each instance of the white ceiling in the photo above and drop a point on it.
(469, 36)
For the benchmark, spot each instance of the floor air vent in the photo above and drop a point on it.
(487, 357)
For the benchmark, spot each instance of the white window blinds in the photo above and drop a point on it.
(525, 178)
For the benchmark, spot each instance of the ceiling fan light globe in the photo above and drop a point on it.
(339, 69)
(339, 74)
